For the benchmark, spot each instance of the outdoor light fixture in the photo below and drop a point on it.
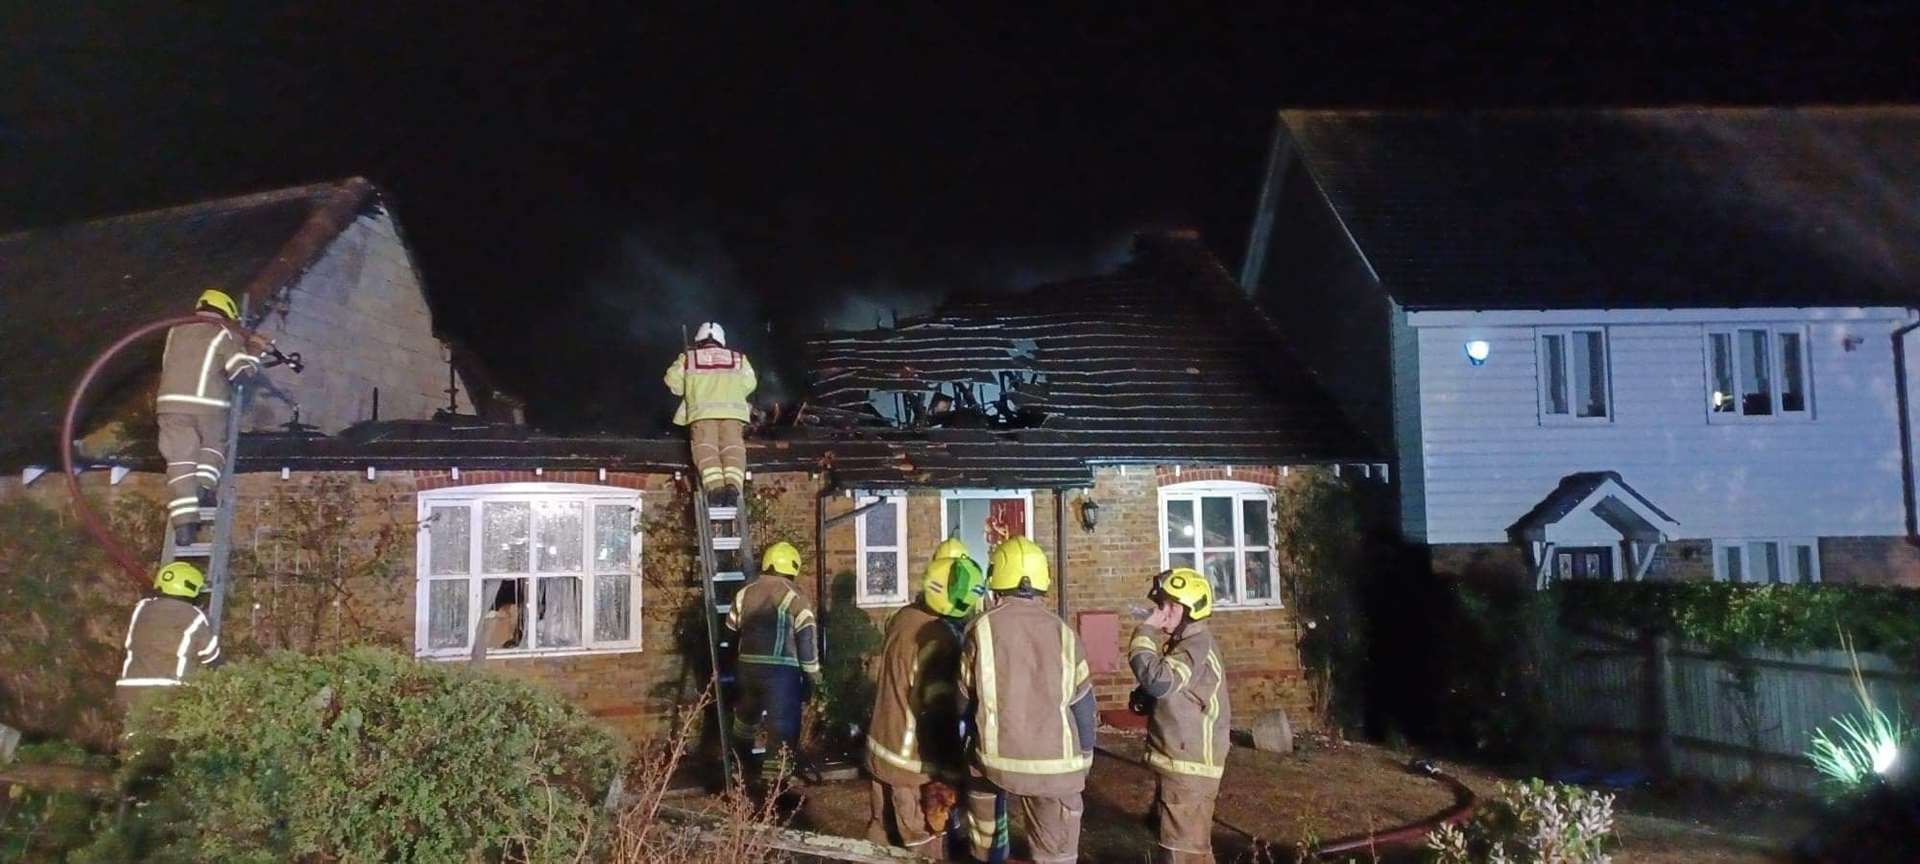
(1478, 350)
(1089, 513)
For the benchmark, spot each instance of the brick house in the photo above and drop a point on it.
(1126, 422)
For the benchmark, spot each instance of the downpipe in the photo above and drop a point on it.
(88, 518)
(1903, 401)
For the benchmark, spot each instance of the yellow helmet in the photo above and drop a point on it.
(1188, 588)
(220, 300)
(953, 587)
(781, 558)
(1018, 561)
(179, 579)
(952, 547)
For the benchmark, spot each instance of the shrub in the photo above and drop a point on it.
(1498, 649)
(367, 755)
(1317, 530)
(1531, 823)
(845, 702)
(1729, 617)
(646, 830)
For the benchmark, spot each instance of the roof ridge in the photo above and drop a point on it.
(232, 202)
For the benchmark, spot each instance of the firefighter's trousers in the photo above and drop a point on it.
(1052, 824)
(720, 453)
(1183, 810)
(193, 446)
(777, 692)
(899, 820)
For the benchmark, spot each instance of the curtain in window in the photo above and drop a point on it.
(559, 612)
(447, 613)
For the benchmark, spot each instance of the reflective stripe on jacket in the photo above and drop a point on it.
(776, 624)
(198, 367)
(713, 383)
(167, 638)
(1024, 672)
(914, 734)
(1188, 732)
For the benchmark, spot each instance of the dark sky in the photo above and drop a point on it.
(577, 181)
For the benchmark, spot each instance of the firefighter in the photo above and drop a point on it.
(913, 738)
(1023, 671)
(713, 383)
(197, 371)
(168, 637)
(1183, 690)
(779, 653)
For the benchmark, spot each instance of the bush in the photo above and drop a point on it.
(1730, 617)
(367, 755)
(1317, 530)
(845, 702)
(1531, 823)
(1498, 648)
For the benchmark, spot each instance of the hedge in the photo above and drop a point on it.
(1723, 616)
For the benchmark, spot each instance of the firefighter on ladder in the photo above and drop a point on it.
(713, 383)
(1183, 692)
(779, 653)
(913, 738)
(197, 371)
(1023, 671)
(168, 637)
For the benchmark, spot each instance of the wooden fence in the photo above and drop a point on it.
(1675, 710)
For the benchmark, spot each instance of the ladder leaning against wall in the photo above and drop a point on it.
(726, 557)
(214, 553)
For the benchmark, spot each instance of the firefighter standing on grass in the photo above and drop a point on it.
(1023, 671)
(168, 637)
(197, 371)
(1183, 690)
(913, 738)
(779, 653)
(713, 383)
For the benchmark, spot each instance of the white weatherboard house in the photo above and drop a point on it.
(1621, 344)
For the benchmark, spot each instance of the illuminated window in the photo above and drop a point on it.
(1225, 530)
(1758, 373)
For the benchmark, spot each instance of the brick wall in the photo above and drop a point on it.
(1683, 561)
(1870, 561)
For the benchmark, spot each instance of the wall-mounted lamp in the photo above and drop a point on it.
(1478, 350)
(1089, 513)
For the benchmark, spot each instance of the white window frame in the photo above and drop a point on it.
(1025, 495)
(1239, 491)
(1786, 546)
(1542, 380)
(1775, 359)
(475, 497)
(897, 544)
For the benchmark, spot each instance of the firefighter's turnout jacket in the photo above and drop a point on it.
(1023, 670)
(1187, 733)
(198, 368)
(713, 383)
(914, 734)
(167, 638)
(776, 624)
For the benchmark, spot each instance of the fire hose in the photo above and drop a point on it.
(88, 518)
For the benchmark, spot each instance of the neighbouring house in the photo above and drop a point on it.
(1127, 422)
(1616, 344)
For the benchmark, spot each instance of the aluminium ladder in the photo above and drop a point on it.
(217, 550)
(725, 561)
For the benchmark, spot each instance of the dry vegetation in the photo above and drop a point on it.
(646, 829)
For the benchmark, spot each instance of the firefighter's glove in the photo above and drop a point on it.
(1139, 702)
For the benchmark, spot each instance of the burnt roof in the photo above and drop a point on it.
(1639, 208)
(1165, 361)
(71, 290)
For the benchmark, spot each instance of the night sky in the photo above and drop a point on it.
(578, 183)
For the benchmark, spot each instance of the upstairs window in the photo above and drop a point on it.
(1758, 374)
(1225, 530)
(1573, 376)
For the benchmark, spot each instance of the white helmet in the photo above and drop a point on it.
(711, 330)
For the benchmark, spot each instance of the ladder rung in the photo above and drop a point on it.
(729, 576)
(722, 514)
(726, 544)
(723, 608)
(207, 514)
(197, 550)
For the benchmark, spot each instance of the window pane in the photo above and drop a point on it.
(612, 608)
(1220, 573)
(1180, 525)
(883, 574)
(559, 625)
(1589, 374)
(1756, 373)
(1793, 374)
(1553, 351)
(612, 537)
(447, 612)
(1764, 558)
(1254, 525)
(1259, 575)
(1216, 520)
(883, 524)
(502, 616)
(560, 527)
(449, 535)
(1180, 559)
(503, 537)
(1802, 563)
(1730, 557)
(1721, 400)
